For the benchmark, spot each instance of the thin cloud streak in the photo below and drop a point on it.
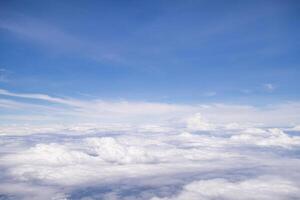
(53, 37)
(69, 111)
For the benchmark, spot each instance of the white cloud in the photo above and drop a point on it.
(70, 111)
(92, 143)
(198, 123)
(94, 158)
(264, 188)
(271, 137)
(39, 97)
(151, 151)
(296, 128)
(110, 150)
(233, 126)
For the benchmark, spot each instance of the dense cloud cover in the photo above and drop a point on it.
(193, 162)
(94, 149)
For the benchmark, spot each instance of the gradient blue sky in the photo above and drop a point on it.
(167, 51)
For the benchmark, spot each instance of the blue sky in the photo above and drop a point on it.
(149, 100)
(166, 51)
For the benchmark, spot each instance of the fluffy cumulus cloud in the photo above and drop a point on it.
(182, 152)
(249, 163)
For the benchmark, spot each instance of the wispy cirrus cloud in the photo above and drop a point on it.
(37, 96)
(55, 38)
(28, 107)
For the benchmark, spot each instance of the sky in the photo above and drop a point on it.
(184, 52)
(149, 100)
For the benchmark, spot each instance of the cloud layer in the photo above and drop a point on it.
(157, 151)
(243, 163)
(39, 109)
